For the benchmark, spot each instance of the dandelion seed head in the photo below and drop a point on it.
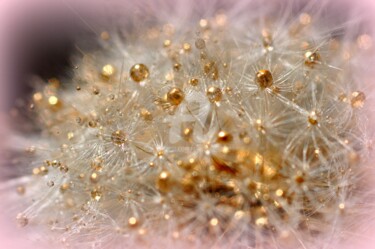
(235, 130)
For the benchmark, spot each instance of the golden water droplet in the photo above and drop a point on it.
(200, 43)
(94, 178)
(160, 153)
(194, 81)
(357, 99)
(64, 187)
(260, 126)
(36, 171)
(145, 114)
(186, 47)
(167, 43)
(139, 72)
(224, 137)
(96, 164)
(37, 97)
(108, 71)
(133, 221)
(118, 137)
(311, 58)
(54, 102)
(95, 90)
(299, 178)
(96, 194)
(211, 70)
(163, 182)
(261, 222)
(279, 192)
(187, 133)
(342, 206)
(70, 135)
(264, 78)
(175, 96)
(214, 94)
(177, 67)
(214, 222)
(342, 97)
(92, 124)
(313, 118)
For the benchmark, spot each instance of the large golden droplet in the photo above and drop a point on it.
(357, 99)
(118, 137)
(211, 70)
(311, 58)
(96, 194)
(264, 78)
(214, 94)
(132, 221)
(163, 182)
(175, 96)
(139, 72)
(313, 118)
(224, 137)
(193, 81)
(108, 71)
(146, 114)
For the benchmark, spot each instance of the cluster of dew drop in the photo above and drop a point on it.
(200, 136)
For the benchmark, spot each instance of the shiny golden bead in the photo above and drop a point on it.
(313, 118)
(118, 137)
(224, 137)
(96, 194)
(187, 133)
(357, 99)
(175, 96)
(146, 114)
(311, 58)
(163, 182)
(214, 94)
(139, 72)
(177, 67)
(194, 81)
(167, 43)
(264, 78)
(186, 47)
(94, 178)
(133, 221)
(211, 70)
(108, 71)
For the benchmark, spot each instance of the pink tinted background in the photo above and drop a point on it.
(15, 15)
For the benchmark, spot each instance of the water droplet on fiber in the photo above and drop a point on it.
(214, 94)
(357, 99)
(118, 137)
(139, 72)
(175, 96)
(264, 78)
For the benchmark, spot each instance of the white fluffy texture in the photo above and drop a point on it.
(325, 154)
